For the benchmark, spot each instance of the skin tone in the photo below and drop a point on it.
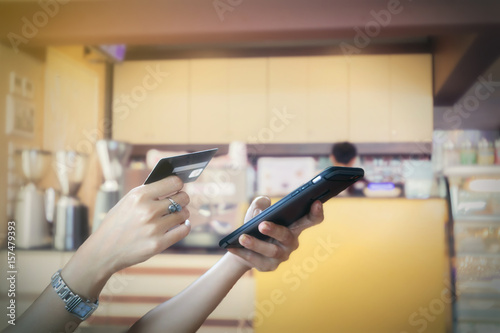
(136, 229)
(350, 164)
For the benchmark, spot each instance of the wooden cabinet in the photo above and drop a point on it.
(328, 99)
(369, 100)
(411, 97)
(208, 98)
(391, 98)
(150, 102)
(247, 99)
(287, 108)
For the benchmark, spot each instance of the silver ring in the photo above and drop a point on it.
(174, 207)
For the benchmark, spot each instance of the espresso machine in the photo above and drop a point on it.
(32, 229)
(71, 215)
(113, 156)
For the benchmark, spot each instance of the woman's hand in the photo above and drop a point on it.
(267, 255)
(137, 228)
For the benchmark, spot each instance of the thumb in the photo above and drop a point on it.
(258, 204)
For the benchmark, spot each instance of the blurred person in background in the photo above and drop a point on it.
(344, 154)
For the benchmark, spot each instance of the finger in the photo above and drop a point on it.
(176, 234)
(172, 220)
(280, 233)
(314, 217)
(162, 206)
(163, 187)
(258, 204)
(264, 248)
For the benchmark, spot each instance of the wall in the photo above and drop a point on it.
(31, 68)
(74, 112)
(69, 110)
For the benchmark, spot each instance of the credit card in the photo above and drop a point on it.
(187, 167)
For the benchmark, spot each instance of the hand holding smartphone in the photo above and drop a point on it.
(297, 204)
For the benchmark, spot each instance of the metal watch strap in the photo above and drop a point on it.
(73, 303)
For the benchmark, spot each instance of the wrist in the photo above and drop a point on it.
(86, 272)
(238, 263)
(75, 304)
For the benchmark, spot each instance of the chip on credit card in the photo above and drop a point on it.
(187, 167)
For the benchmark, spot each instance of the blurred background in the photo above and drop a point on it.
(94, 93)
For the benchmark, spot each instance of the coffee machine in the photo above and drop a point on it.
(71, 215)
(32, 229)
(113, 156)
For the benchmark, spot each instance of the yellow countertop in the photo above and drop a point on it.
(373, 265)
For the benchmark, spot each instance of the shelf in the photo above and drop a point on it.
(475, 327)
(478, 255)
(472, 170)
(477, 219)
(469, 296)
(477, 278)
(298, 149)
(479, 315)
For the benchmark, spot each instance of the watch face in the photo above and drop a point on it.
(83, 310)
(74, 303)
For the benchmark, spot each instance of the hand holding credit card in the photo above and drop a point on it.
(188, 167)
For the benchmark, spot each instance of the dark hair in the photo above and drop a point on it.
(344, 152)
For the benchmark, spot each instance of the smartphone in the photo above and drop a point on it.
(187, 167)
(297, 204)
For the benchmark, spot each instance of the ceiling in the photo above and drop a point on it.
(478, 108)
(462, 35)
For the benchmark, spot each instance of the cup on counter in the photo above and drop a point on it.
(418, 179)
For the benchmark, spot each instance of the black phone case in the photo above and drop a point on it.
(297, 204)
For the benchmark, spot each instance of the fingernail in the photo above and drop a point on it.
(187, 223)
(265, 226)
(244, 240)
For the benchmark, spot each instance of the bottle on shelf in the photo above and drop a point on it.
(468, 154)
(450, 154)
(485, 152)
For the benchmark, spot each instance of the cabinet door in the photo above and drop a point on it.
(328, 99)
(369, 98)
(209, 121)
(411, 97)
(247, 99)
(150, 102)
(287, 106)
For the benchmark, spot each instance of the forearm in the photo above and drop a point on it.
(46, 314)
(133, 231)
(187, 311)
(84, 276)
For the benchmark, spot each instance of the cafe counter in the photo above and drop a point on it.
(373, 265)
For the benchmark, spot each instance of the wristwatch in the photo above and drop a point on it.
(73, 302)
